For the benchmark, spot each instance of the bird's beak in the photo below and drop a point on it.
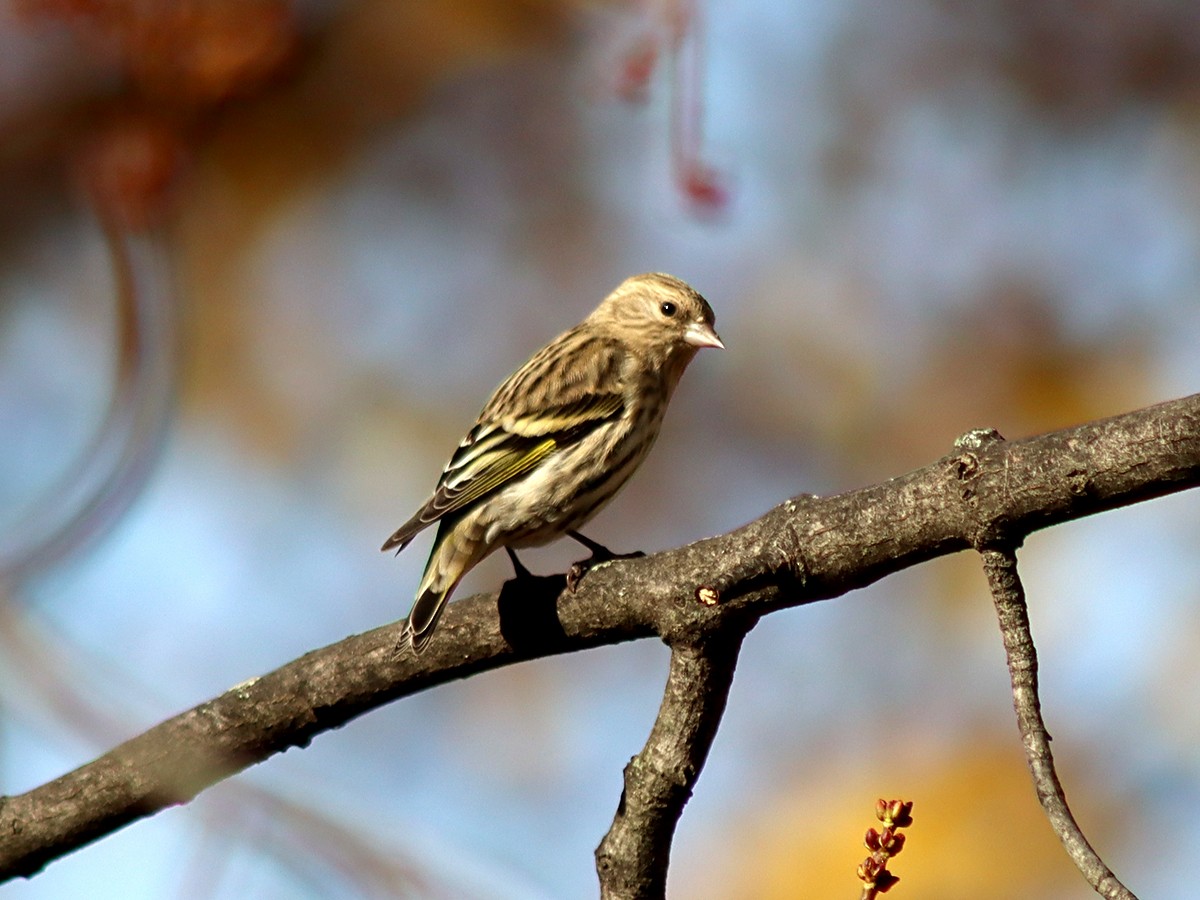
(701, 334)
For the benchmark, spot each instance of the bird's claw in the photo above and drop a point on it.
(598, 558)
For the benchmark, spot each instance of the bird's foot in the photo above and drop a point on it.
(528, 607)
(519, 569)
(600, 555)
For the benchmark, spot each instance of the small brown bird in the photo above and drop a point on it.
(559, 437)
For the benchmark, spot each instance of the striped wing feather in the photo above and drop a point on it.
(575, 380)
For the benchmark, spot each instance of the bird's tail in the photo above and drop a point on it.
(458, 547)
(425, 614)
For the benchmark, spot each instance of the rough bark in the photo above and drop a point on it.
(805, 549)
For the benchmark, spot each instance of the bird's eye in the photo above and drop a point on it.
(668, 309)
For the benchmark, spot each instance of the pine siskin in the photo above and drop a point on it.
(560, 436)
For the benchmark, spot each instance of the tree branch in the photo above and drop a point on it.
(804, 550)
(1000, 566)
(633, 857)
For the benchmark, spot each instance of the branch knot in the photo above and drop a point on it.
(980, 453)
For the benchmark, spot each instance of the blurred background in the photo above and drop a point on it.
(347, 221)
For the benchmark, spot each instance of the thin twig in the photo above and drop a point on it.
(110, 473)
(884, 845)
(1000, 565)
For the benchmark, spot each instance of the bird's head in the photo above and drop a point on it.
(661, 314)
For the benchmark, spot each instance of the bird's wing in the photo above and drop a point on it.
(572, 369)
(493, 455)
(555, 399)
